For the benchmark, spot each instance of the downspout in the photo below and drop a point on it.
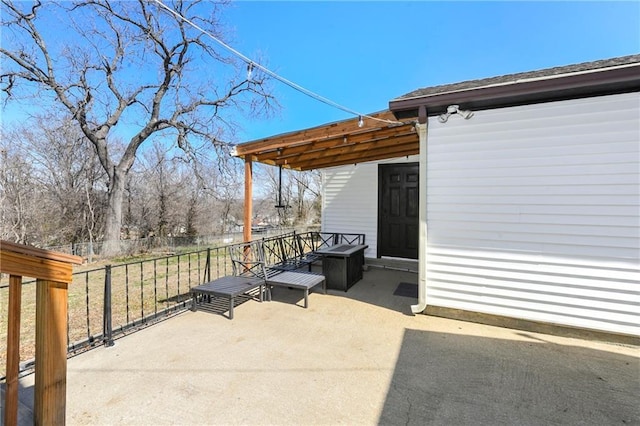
(421, 128)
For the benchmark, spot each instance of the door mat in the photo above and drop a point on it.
(406, 290)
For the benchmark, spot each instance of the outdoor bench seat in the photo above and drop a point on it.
(284, 263)
(283, 253)
(229, 287)
(273, 262)
(261, 259)
(299, 280)
(310, 243)
(248, 274)
(294, 264)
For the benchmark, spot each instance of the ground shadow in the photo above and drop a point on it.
(25, 404)
(220, 305)
(292, 296)
(178, 298)
(446, 379)
(379, 287)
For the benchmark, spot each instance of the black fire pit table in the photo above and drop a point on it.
(342, 265)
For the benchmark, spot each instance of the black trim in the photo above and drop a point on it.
(597, 83)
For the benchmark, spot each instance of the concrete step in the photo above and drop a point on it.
(410, 265)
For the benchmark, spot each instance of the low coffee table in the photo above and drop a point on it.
(229, 287)
(301, 280)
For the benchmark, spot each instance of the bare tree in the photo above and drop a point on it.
(163, 177)
(223, 189)
(53, 187)
(18, 205)
(297, 193)
(280, 191)
(128, 68)
(71, 181)
(308, 189)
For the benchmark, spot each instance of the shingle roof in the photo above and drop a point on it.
(519, 77)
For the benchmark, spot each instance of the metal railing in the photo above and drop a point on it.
(166, 245)
(137, 294)
(108, 302)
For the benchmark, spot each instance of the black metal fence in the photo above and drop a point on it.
(108, 302)
(166, 245)
(124, 297)
(114, 300)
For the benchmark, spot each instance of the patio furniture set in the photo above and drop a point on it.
(285, 261)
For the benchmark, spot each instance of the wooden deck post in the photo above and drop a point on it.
(51, 353)
(13, 350)
(248, 198)
(53, 273)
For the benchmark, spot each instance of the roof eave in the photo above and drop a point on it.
(559, 87)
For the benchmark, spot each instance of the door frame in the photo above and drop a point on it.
(415, 164)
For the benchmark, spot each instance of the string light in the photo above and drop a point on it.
(252, 64)
(249, 70)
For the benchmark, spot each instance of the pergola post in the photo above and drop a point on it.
(248, 198)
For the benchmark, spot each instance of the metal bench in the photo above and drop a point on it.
(251, 271)
(229, 287)
(284, 253)
(283, 264)
(248, 274)
(310, 242)
(299, 280)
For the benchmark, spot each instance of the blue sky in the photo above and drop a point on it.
(362, 54)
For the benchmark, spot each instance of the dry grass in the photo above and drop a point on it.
(138, 290)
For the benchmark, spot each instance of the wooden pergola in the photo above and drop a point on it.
(335, 144)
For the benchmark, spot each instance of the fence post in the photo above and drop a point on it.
(208, 264)
(107, 328)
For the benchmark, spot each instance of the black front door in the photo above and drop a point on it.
(398, 210)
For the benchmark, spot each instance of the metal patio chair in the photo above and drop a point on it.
(248, 274)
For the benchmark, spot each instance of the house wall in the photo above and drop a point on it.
(532, 212)
(350, 200)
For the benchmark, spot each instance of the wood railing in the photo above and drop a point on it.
(52, 272)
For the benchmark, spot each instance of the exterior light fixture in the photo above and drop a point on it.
(455, 109)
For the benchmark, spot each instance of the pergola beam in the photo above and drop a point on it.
(365, 150)
(353, 159)
(327, 131)
(334, 144)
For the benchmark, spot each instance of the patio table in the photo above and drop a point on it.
(229, 287)
(342, 265)
(304, 281)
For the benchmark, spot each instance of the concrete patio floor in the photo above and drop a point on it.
(355, 358)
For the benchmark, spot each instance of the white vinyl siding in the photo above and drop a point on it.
(533, 212)
(350, 200)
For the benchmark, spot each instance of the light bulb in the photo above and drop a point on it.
(249, 70)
